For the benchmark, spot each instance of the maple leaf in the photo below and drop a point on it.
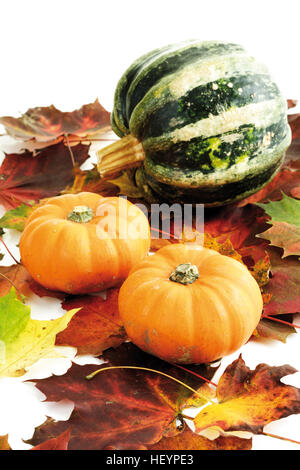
(96, 327)
(24, 341)
(120, 408)
(261, 270)
(283, 286)
(239, 225)
(292, 159)
(90, 180)
(14, 317)
(250, 399)
(126, 184)
(294, 122)
(16, 218)
(285, 220)
(27, 179)
(58, 443)
(291, 103)
(188, 440)
(4, 445)
(268, 328)
(286, 180)
(15, 275)
(47, 123)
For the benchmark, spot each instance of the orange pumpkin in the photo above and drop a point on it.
(80, 243)
(189, 304)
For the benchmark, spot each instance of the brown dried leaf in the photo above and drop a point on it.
(47, 123)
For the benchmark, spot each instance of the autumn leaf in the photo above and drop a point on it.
(283, 235)
(261, 271)
(15, 275)
(188, 440)
(292, 160)
(250, 399)
(126, 184)
(291, 103)
(57, 443)
(23, 340)
(127, 408)
(16, 218)
(287, 180)
(47, 123)
(4, 445)
(285, 220)
(42, 291)
(96, 327)
(271, 329)
(239, 225)
(90, 180)
(14, 316)
(283, 286)
(27, 179)
(294, 122)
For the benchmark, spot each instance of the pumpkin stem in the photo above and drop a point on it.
(186, 273)
(126, 153)
(81, 214)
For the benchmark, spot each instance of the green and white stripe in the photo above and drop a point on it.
(261, 114)
(208, 116)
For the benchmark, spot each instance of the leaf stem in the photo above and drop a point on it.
(18, 290)
(70, 150)
(195, 373)
(186, 417)
(92, 375)
(280, 321)
(9, 252)
(280, 437)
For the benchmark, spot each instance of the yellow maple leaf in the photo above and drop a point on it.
(35, 341)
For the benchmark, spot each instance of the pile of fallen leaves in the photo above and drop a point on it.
(136, 401)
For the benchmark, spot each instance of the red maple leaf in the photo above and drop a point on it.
(27, 178)
(47, 123)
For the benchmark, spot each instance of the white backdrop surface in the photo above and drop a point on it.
(69, 52)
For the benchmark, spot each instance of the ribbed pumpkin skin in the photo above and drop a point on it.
(195, 323)
(211, 121)
(71, 257)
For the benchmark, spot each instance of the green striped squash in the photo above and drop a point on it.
(203, 120)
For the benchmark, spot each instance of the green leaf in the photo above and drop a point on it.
(24, 341)
(285, 220)
(16, 218)
(286, 210)
(14, 316)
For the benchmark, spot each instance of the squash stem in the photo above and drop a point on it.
(81, 214)
(186, 273)
(126, 153)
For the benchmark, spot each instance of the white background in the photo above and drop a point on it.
(69, 52)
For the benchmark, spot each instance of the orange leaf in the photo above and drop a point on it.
(250, 399)
(4, 445)
(188, 440)
(15, 275)
(56, 443)
(96, 327)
